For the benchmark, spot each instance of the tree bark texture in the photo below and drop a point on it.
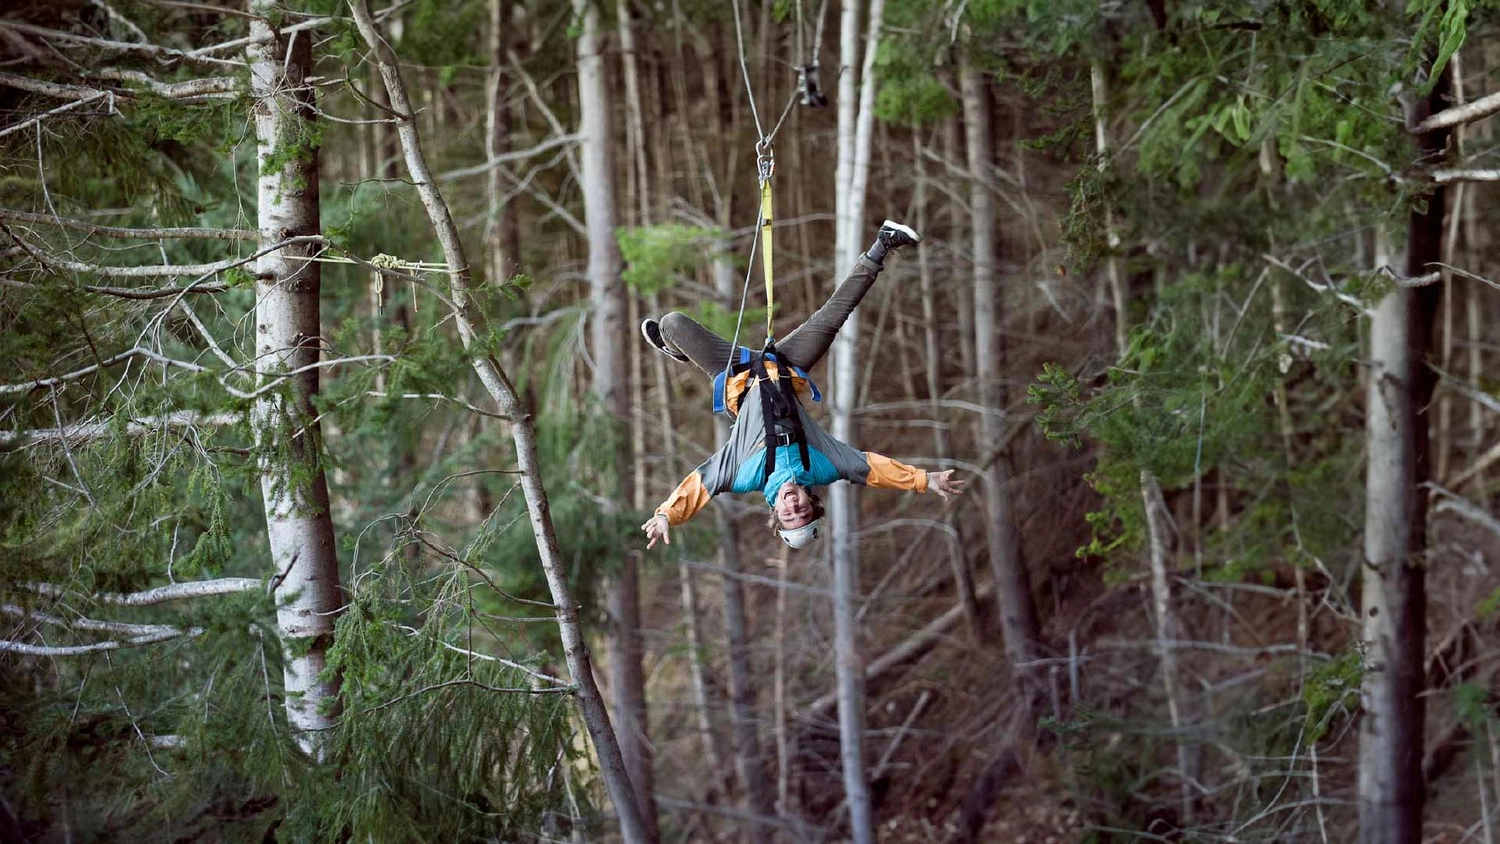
(855, 118)
(1394, 603)
(1018, 621)
(299, 526)
(468, 320)
(607, 339)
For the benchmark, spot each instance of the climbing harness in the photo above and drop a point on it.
(721, 380)
(778, 404)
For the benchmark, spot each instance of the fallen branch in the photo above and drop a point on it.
(903, 651)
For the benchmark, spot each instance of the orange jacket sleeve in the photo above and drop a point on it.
(886, 473)
(686, 500)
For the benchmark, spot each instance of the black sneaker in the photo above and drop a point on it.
(893, 235)
(651, 330)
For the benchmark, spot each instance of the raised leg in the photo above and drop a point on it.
(707, 350)
(811, 340)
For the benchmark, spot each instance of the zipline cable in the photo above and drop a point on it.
(739, 35)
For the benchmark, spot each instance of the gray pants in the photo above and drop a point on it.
(804, 347)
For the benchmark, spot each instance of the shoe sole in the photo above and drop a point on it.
(659, 346)
(906, 230)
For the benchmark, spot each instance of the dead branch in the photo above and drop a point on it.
(89, 624)
(158, 595)
(135, 427)
(152, 50)
(1466, 113)
(121, 231)
(516, 155)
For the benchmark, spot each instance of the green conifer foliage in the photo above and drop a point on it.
(450, 725)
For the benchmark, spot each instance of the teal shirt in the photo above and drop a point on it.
(751, 475)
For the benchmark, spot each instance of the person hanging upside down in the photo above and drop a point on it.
(766, 408)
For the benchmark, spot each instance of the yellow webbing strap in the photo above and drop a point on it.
(765, 252)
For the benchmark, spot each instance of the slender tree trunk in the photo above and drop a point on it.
(963, 579)
(1018, 620)
(607, 340)
(502, 232)
(855, 123)
(1394, 598)
(295, 491)
(469, 322)
(1155, 508)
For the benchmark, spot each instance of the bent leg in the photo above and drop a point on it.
(707, 350)
(810, 341)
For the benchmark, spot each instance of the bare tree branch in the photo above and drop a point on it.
(158, 595)
(120, 231)
(167, 270)
(141, 351)
(1466, 113)
(515, 155)
(1448, 175)
(25, 124)
(91, 625)
(79, 650)
(197, 56)
(135, 427)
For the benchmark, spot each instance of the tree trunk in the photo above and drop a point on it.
(469, 321)
(607, 340)
(852, 175)
(502, 233)
(1018, 620)
(1394, 575)
(295, 491)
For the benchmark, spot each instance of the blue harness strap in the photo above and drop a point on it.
(743, 365)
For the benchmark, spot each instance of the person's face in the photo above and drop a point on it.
(794, 507)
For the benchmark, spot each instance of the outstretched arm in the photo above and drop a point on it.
(885, 473)
(690, 496)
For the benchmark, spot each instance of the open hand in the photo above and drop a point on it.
(656, 528)
(944, 484)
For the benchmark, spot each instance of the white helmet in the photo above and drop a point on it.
(799, 538)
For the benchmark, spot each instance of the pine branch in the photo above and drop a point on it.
(158, 595)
